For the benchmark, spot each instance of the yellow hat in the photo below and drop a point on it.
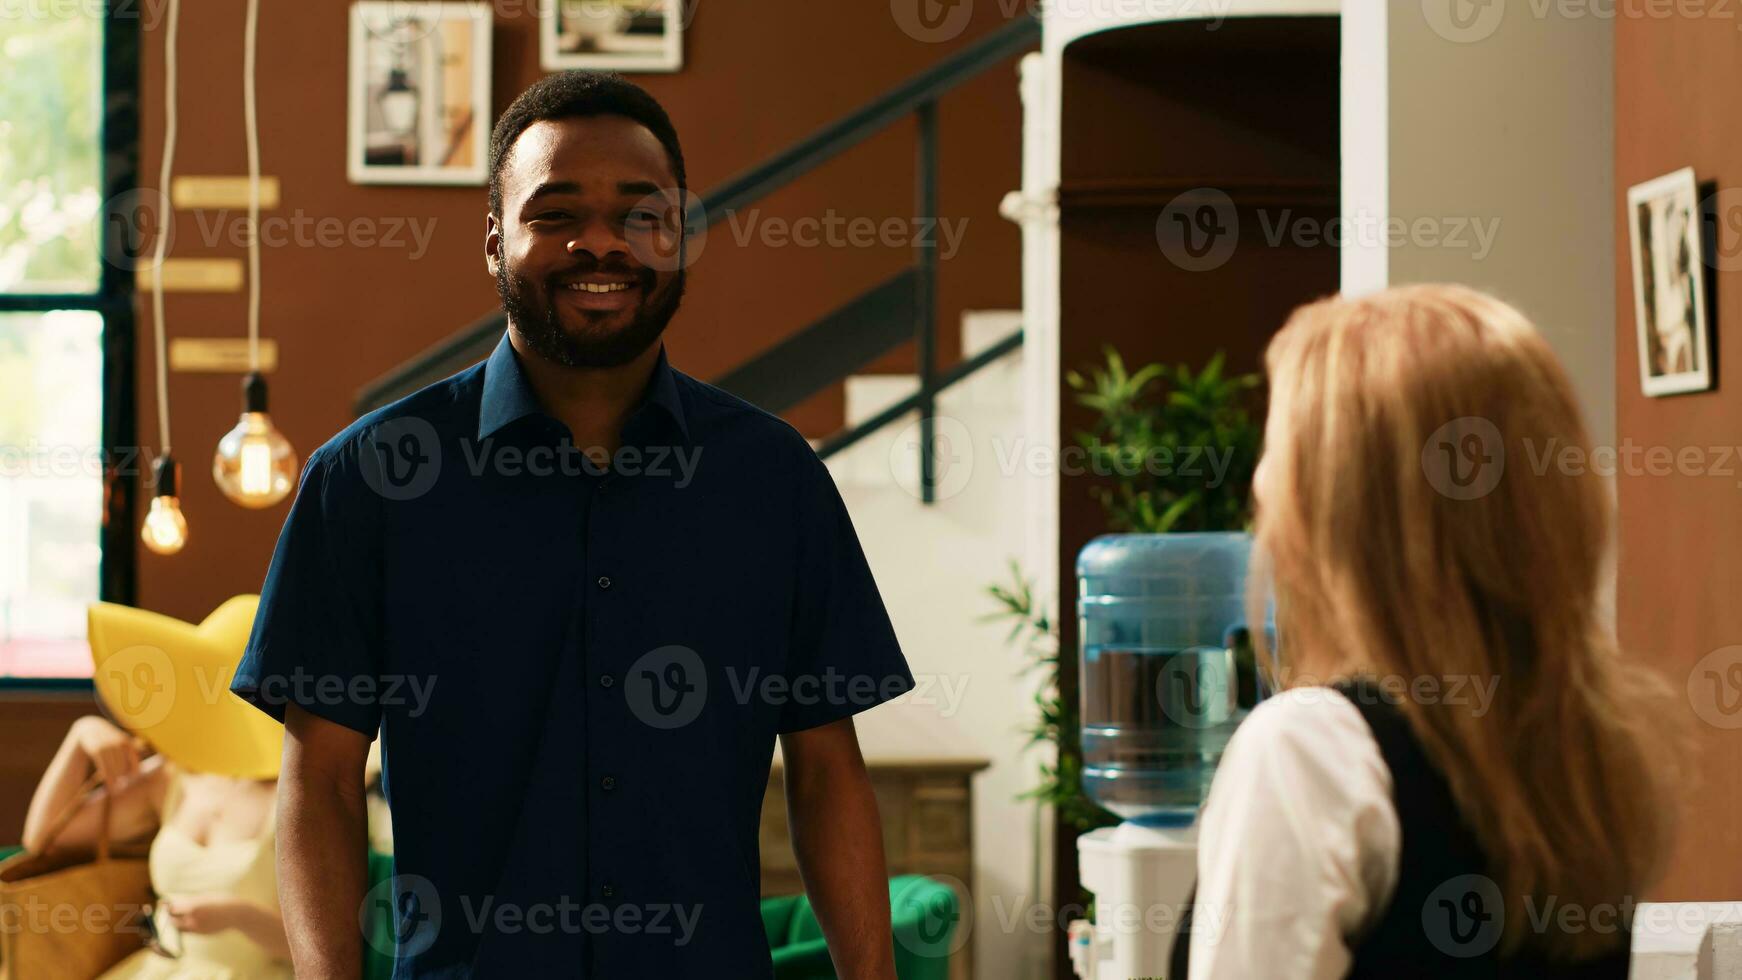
(169, 683)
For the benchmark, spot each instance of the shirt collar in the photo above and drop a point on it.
(509, 396)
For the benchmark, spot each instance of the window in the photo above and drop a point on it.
(65, 330)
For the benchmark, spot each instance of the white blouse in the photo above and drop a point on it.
(1298, 842)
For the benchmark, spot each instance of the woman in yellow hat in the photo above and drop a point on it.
(205, 800)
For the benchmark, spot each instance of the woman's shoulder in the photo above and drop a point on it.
(1308, 719)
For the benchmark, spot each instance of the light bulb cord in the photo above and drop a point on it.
(161, 246)
(252, 125)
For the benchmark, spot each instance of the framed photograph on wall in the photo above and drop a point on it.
(419, 101)
(1669, 287)
(620, 35)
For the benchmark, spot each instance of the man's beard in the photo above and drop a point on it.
(542, 328)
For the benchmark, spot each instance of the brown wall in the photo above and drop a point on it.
(1676, 85)
(753, 82)
(31, 728)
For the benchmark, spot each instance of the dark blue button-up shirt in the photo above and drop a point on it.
(577, 674)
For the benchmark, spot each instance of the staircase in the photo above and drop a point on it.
(932, 565)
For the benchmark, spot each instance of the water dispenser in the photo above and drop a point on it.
(1166, 675)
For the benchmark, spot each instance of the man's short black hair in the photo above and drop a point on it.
(580, 93)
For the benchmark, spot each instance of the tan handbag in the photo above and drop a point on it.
(63, 917)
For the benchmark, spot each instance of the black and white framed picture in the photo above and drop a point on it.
(419, 102)
(620, 35)
(1669, 294)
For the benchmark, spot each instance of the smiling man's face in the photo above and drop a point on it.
(587, 203)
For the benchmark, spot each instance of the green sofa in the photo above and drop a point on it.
(923, 912)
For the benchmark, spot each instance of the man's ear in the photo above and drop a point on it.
(492, 244)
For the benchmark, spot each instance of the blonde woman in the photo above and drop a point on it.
(1458, 777)
(211, 854)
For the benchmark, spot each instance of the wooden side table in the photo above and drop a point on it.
(927, 806)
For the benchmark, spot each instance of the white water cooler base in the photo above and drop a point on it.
(1141, 878)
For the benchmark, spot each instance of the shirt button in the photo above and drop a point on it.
(607, 891)
(604, 581)
(606, 680)
(609, 782)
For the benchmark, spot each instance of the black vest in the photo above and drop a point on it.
(1446, 914)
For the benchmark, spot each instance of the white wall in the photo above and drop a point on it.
(1502, 120)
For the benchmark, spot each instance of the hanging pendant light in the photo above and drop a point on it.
(166, 530)
(254, 466)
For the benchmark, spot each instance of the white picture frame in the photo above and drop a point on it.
(610, 35)
(1669, 285)
(402, 51)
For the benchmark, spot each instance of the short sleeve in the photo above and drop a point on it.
(1298, 842)
(842, 654)
(316, 636)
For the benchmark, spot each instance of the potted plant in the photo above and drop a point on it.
(1176, 449)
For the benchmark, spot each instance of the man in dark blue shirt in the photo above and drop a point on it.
(578, 594)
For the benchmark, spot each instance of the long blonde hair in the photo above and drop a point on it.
(1409, 530)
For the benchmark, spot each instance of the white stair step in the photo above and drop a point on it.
(983, 328)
